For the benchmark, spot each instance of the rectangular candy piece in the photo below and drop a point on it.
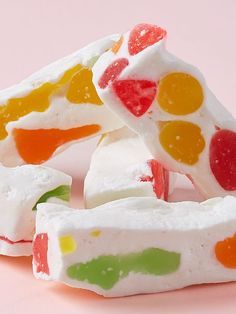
(168, 103)
(53, 108)
(137, 245)
(121, 167)
(21, 189)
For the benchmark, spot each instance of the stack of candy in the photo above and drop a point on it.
(157, 117)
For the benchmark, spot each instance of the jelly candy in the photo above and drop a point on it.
(136, 95)
(40, 249)
(179, 94)
(105, 271)
(115, 48)
(223, 158)
(112, 72)
(62, 192)
(159, 179)
(37, 146)
(81, 89)
(226, 252)
(143, 36)
(182, 140)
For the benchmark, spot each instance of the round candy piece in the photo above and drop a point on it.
(112, 72)
(223, 158)
(136, 95)
(143, 36)
(180, 94)
(226, 252)
(182, 140)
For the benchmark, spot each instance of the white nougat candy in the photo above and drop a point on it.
(21, 189)
(121, 167)
(53, 108)
(168, 103)
(137, 245)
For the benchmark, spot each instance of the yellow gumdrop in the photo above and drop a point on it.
(182, 140)
(37, 100)
(116, 47)
(180, 93)
(95, 233)
(82, 90)
(67, 244)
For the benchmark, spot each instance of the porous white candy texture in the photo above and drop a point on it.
(136, 245)
(21, 189)
(121, 166)
(168, 103)
(53, 108)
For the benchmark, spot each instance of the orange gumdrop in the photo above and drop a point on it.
(116, 47)
(226, 252)
(37, 146)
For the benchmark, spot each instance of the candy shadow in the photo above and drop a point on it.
(22, 263)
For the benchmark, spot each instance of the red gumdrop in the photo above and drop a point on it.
(40, 249)
(159, 179)
(136, 95)
(112, 72)
(223, 158)
(143, 36)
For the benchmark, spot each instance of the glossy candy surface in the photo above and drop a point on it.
(143, 36)
(136, 95)
(226, 252)
(40, 248)
(223, 158)
(37, 146)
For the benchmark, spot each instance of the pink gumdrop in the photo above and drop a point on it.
(223, 158)
(159, 179)
(143, 36)
(40, 249)
(136, 95)
(112, 72)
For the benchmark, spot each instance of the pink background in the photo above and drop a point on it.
(35, 33)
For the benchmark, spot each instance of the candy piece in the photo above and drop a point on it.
(62, 192)
(116, 47)
(40, 249)
(143, 36)
(37, 146)
(159, 179)
(61, 96)
(106, 270)
(136, 95)
(183, 141)
(82, 90)
(67, 244)
(181, 116)
(95, 233)
(156, 246)
(20, 189)
(112, 72)
(226, 252)
(120, 167)
(223, 158)
(179, 94)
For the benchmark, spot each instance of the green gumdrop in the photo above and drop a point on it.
(106, 270)
(152, 261)
(62, 192)
(103, 271)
